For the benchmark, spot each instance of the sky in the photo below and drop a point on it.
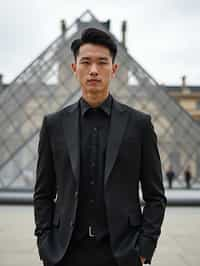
(162, 35)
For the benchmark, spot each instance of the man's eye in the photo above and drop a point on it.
(103, 62)
(85, 62)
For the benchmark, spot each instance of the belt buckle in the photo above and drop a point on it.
(90, 233)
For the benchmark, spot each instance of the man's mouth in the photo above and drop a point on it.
(93, 80)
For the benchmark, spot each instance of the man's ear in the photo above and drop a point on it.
(73, 67)
(115, 68)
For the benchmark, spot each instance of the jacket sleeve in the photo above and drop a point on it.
(45, 185)
(153, 192)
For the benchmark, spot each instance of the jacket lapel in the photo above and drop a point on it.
(119, 118)
(71, 130)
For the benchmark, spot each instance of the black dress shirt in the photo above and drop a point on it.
(94, 126)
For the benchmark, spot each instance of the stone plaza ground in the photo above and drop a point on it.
(178, 245)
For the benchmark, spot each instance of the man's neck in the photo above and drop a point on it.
(94, 102)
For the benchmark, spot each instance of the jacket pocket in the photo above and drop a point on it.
(135, 219)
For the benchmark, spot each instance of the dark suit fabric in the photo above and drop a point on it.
(87, 252)
(94, 126)
(132, 156)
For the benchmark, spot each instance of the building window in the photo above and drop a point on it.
(198, 105)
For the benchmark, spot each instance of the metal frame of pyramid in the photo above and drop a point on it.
(48, 85)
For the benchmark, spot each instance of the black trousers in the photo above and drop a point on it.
(87, 252)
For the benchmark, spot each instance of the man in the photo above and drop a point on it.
(170, 174)
(92, 156)
(188, 177)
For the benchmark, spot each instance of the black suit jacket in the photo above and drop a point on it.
(132, 156)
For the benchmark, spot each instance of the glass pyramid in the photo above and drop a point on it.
(48, 85)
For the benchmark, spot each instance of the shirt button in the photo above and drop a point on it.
(76, 194)
(93, 164)
(72, 223)
(92, 182)
(95, 129)
(92, 201)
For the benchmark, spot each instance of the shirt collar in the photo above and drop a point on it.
(105, 105)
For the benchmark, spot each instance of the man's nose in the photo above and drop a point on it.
(93, 70)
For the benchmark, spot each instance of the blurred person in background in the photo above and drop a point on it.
(170, 174)
(188, 177)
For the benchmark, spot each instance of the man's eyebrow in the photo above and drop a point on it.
(85, 58)
(103, 58)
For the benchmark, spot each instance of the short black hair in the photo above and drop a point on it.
(95, 36)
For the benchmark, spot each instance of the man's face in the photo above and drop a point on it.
(94, 69)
